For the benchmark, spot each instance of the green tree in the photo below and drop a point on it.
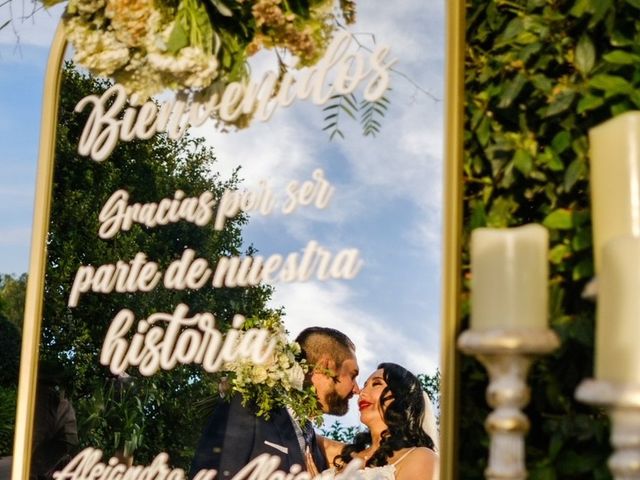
(431, 385)
(13, 290)
(145, 414)
(10, 361)
(9, 353)
(540, 74)
(7, 419)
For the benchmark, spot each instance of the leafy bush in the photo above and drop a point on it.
(7, 419)
(13, 289)
(431, 385)
(539, 74)
(9, 353)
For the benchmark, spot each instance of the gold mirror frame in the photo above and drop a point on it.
(452, 236)
(452, 226)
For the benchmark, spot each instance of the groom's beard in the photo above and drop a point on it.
(336, 404)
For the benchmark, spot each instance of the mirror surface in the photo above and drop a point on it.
(374, 200)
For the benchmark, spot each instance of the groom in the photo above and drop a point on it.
(234, 435)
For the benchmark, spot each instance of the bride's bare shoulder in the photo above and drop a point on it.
(419, 463)
(331, 448)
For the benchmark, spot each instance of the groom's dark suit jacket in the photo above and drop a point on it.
(234, 436)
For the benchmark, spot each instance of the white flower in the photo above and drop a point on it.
(295, 348)
(99, 51)
(296, 376)
(85, 6)
(192, 67)
(129, 20)
(283, 360)
(259, 374)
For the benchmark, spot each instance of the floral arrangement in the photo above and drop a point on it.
(152, 45)
(278, 382)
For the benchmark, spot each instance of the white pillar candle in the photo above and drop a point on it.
(615, 180)
(509, 274)
(618, 312)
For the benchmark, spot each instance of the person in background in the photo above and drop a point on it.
(55, 436)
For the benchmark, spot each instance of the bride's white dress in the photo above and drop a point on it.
(386, 472)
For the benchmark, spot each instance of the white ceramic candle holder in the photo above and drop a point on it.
(507, 356)
(622, 403)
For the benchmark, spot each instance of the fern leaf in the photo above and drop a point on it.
(339, 104)
(371, 113)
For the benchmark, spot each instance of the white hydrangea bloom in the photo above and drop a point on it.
(259, 374)
(191, 67)
(87, 7)
(99, 51)
(296, 376)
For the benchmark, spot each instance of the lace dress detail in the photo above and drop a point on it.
(386, 472)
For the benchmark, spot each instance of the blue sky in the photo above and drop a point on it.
(386, 204)
(19, 126)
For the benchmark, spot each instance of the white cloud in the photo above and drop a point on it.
(277, 151)
(426, 235)
(377, 339)
(334, 305)
(348, 202)
(404, 160)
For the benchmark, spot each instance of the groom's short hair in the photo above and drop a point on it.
(317, 341)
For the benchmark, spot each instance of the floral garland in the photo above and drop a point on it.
(152, 45)
(276, 383)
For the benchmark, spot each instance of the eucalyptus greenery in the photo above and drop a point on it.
(539, 74)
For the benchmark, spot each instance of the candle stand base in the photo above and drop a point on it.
(507, 356)
(623, 405)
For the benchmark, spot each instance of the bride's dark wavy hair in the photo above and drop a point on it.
(402, 404)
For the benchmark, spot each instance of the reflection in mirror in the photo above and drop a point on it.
(168, 258)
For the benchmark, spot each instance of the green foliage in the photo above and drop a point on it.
(158, 413)
(369, 114)
(431, 385)
(12, 292)
(337, 106)
(9, 353)
(12, 295)
(340, 433)
(539, 74)
(114, 416)
(7, 419)
(264, 387)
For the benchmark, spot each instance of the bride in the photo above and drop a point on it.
(396, 445)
